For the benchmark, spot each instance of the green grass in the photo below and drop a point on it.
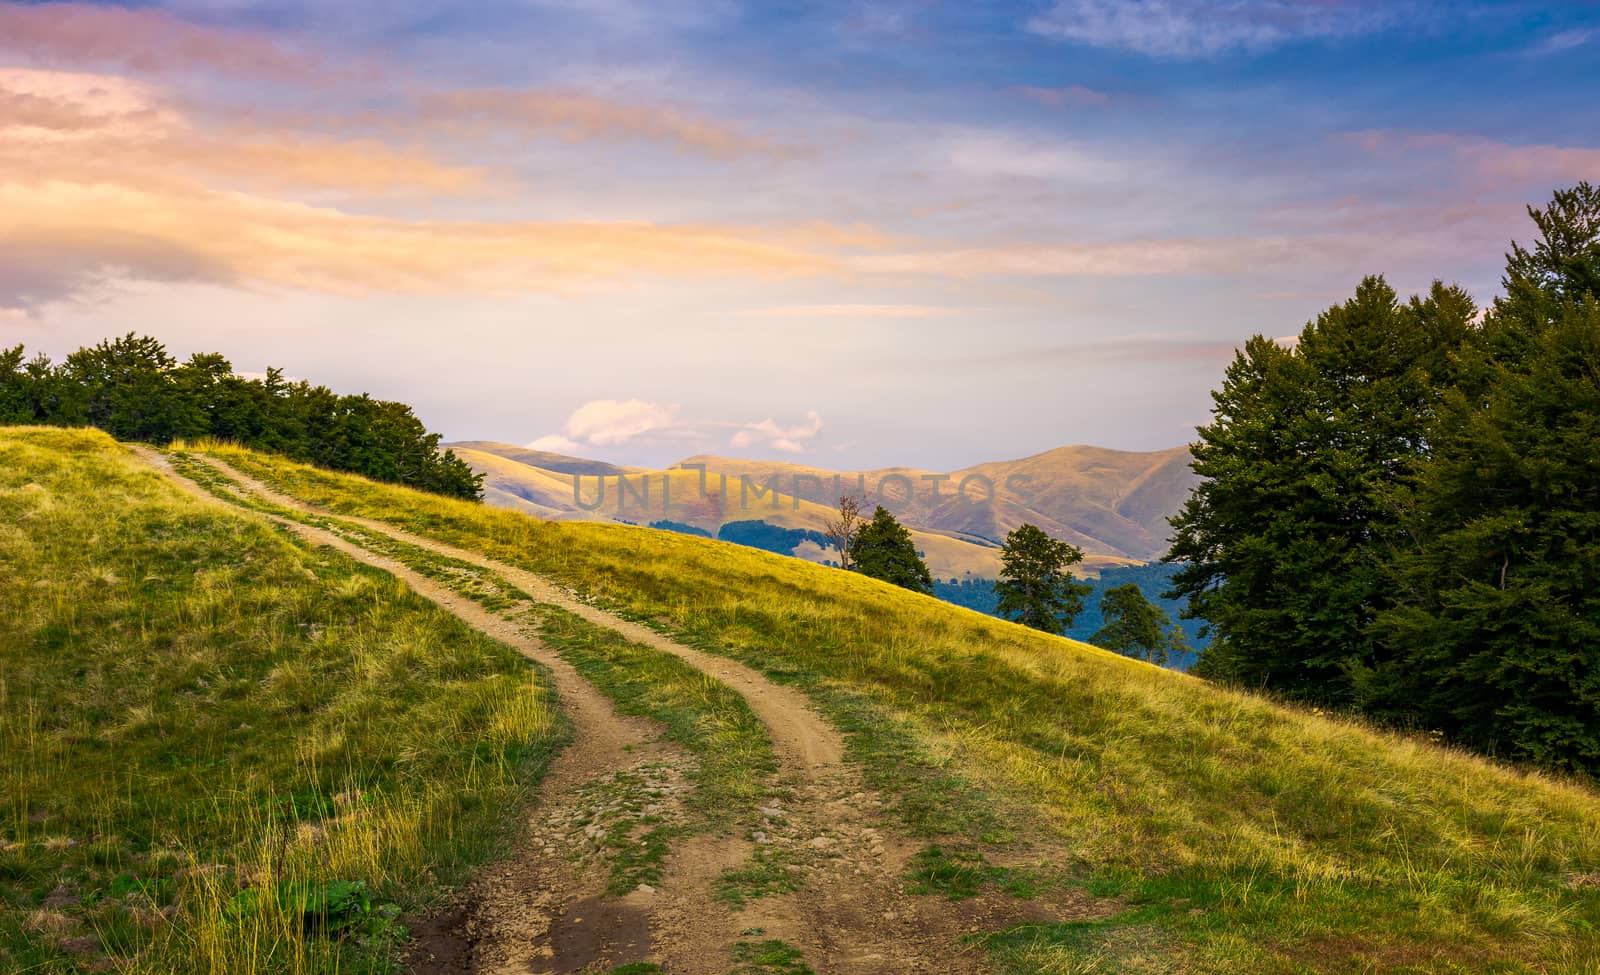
(701, 714)
(732, 754)
(961, 873)
(1242, 835)
(733, 760)
(223, 752)
(769, 958)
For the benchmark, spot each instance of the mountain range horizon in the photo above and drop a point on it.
(1112, 504)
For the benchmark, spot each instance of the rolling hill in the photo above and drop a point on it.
(253, 708)
(1112, 504)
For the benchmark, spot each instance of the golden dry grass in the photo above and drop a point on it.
(214, 742)
(1242, 835)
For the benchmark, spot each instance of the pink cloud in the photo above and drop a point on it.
(578, 116)
(152, 41)
(1071, 96)
(1487, 159)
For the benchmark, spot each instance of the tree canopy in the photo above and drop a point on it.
(1035, 587)
(1136, 627)
(133, 389)
(1401, 512)
(882, 548)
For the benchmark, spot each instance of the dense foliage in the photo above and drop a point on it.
(1401, 513)
(765, 535)
(883, 549)
(1154, 580)
(134, 390)
(1036, 587)
(1136, 627)
(681, 528)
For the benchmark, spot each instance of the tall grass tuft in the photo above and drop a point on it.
(224, 752)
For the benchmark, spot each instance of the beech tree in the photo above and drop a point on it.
(1401, 513)
(1497, 632)
(1136, 627)
(1036, 587)
(1284, 542)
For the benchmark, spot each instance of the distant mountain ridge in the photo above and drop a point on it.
(1111, 503)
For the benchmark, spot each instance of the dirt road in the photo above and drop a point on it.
(545, 908)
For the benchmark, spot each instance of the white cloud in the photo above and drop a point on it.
(1564, 41)
(554, 443)
(604, 422)
(985, 153)
(640, 423)
(645, 15)
(768, 433)
(1205, 28)
(1067, 96)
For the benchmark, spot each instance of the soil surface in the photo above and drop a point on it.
(546, 909)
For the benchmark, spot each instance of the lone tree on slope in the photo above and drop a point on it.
(883, 550)
(841, 529)
(1136, 627)
(1035, 587)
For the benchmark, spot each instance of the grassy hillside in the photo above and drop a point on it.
(221, 751)
(542, 459)
(1235, 835)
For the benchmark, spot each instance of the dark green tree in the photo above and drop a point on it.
(1035, 587)
(16, 392)
(1564, 263)
(1497, 631)
(883, 550)
(133, 389)
(35, 391)
(127, 390)
(1136, 627)
(1284, 543)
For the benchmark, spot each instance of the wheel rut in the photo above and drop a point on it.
(531, 912)
(545, 910)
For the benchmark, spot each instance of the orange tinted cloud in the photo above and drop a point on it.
(69, 236)
(1488, 159)
(96, 128)
(579, 117)
(101, 180)
(850, 311)
(153, 41)
(1115, 259)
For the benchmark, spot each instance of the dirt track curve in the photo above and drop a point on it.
(544, 910)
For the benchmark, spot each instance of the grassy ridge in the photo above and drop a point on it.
(223, 752)
(1246, 836)
(731, 751)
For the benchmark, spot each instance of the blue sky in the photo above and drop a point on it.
(854, 234)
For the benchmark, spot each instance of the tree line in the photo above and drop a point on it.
(1401, 511)
(1036, 587)
(133, 389)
